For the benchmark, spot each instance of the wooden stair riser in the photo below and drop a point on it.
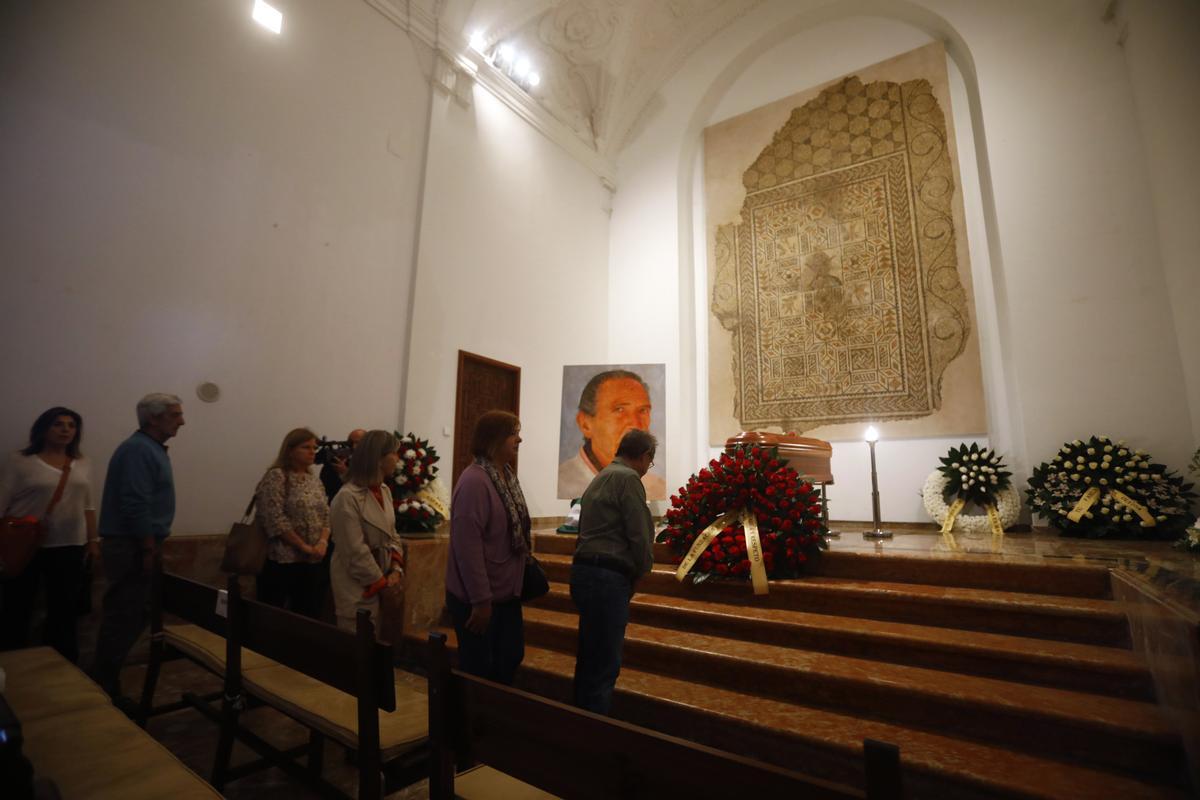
(1039, 622)
(814, 754)
(1128, 684)
(1065, 580)
(971, 717)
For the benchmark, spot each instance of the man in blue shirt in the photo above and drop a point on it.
(136, 512)
(614, 549)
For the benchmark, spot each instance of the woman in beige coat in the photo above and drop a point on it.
(367, 554)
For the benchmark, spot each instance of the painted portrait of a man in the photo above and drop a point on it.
(601, 403)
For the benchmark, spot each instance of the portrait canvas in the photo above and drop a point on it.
(599, 404)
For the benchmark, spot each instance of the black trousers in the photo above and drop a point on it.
(299, 587)
(496, 653)
(60, 569)
(126, 606)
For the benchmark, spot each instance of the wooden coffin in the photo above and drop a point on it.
(810, 457)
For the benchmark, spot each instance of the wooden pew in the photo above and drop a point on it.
(332, 681)
(571, 753)
(76, 740)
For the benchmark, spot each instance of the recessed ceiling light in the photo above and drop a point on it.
(534, 79)
(268, 16)
(477, 41)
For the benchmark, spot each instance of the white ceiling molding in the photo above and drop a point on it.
(457, 67)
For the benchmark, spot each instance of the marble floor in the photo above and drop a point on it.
(1174, 572)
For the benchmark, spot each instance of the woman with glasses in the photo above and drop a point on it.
(293, 511)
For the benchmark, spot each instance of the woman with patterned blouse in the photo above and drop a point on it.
(292, 510)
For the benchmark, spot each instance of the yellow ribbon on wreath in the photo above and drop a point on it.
(1093, 494)
(430, 498)
(758, 569)
(993, 515)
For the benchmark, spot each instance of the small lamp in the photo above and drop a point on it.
(871, 437)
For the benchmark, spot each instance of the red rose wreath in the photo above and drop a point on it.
(747, 515)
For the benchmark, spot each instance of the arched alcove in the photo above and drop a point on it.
(1004, 424)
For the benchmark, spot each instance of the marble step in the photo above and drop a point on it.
(828, 744)
(1073, 619)
(1040, 577)
(1081, 667)
(1125, 734)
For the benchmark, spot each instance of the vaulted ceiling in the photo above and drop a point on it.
(601, 62)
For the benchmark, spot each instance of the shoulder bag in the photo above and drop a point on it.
(20, 537)
(246, 545)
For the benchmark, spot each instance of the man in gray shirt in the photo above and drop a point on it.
(614, 549)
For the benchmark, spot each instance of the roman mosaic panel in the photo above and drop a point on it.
(841, 292)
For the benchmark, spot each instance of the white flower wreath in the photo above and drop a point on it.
(1008, 503)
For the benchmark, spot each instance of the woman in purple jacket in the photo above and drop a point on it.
(489, 542)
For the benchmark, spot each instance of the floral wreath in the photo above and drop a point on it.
(1191, 537)
(1101, 488)
(970, 475)
(417, 495)
(746, 515)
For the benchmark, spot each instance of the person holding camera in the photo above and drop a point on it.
(336, 464)
(293, 512)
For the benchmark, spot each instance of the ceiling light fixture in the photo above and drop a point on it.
(268, 16)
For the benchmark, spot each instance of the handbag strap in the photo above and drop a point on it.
(250, 507)
(58, 490)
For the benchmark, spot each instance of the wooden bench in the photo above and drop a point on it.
(333, 682)
(74, 736)
(536, 748)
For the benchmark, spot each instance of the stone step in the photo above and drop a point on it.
(1081, 667)
(1072, 619)
(828, 744)
(1031, 577)
(1129, 735)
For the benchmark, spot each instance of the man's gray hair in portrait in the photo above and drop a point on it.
(154, 404)
(587, 399)
(636, 443)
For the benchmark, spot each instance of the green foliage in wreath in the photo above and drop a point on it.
(976, 475)
(1057, 485)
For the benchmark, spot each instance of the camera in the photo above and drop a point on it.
(328, 450)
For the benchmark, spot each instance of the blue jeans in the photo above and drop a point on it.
(602, 597)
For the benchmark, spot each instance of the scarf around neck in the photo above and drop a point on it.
(514, 503)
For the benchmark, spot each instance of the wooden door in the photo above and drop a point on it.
(484, 384)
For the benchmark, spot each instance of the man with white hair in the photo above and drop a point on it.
(136, 513)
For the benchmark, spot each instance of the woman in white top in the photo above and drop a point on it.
(295, 515)
(27, 485)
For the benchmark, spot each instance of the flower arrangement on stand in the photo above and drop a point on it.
(1106, 489)
(417, 494)
(746, 516)
(1191, 536)
(971, 475)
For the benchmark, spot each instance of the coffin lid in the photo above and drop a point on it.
(788, 443)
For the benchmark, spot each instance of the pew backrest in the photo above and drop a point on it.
(576, 754)
(355, 663)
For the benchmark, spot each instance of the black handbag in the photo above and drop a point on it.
(535, 584)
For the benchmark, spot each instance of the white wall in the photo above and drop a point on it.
(512, 266)
(187, 197)
(1162, 50)
(1073, 308)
